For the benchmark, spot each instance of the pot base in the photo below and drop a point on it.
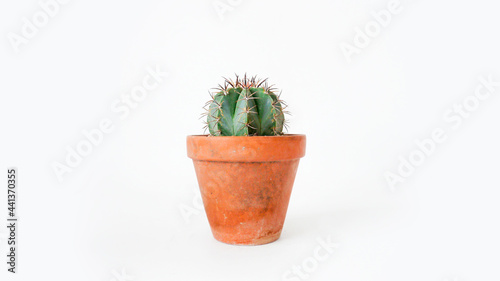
(235, 240)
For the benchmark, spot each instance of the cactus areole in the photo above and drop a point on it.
(246, 166)
(245, 107)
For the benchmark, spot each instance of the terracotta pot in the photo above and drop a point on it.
(245, 183)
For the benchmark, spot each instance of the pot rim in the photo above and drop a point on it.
(246, 148)
(279, 136)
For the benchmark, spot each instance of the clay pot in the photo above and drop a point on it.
(245, 183)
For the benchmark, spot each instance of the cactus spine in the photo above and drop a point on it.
(245, 107)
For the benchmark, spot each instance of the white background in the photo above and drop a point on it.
(120, 209)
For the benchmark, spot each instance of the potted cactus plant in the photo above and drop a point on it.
(246, 166)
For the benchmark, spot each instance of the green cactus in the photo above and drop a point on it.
(245, 107)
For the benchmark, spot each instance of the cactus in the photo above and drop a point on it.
(245, 107)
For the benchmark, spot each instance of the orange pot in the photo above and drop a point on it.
(245, 183)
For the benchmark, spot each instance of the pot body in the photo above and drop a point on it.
(246, 183)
